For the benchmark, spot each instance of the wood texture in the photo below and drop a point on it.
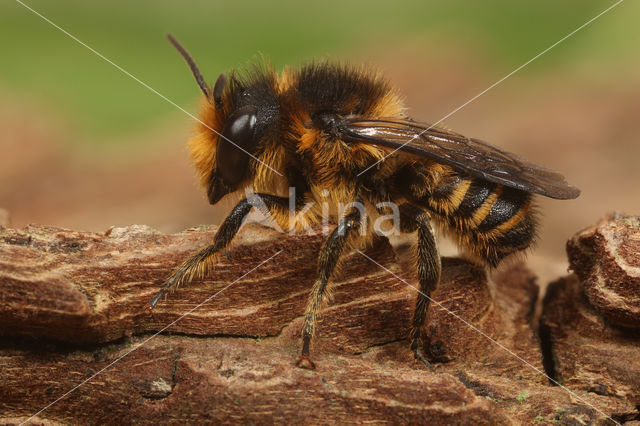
(591, 319)
(73, 312)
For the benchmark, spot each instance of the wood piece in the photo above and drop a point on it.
(73, 304)
(606, 257)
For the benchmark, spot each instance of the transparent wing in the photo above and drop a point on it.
(468, 155)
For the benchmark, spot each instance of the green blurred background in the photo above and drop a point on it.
(47, 66)
(85, 146)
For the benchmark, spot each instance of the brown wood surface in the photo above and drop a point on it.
(73, 312)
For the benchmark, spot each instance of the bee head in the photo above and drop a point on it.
(234, 121)
(237, 141)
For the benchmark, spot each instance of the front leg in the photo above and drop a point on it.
(199, 264)
(327, 261)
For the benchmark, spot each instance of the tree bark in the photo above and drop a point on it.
(79, 342)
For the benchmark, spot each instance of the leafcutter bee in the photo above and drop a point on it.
(342, 130)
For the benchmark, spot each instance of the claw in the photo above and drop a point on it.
(161, 293)
(419, 357)
(310, 364)
(155, 301)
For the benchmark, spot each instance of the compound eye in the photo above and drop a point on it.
(237, 142)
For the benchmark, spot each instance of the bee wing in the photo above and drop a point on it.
(464, 154)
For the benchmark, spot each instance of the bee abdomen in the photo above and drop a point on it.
(506, 206)
(491, 220)
(474, 198)
(494, 220)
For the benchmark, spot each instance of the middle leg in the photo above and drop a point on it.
(327, 261)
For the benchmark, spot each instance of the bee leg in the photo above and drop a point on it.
(327, 261)
(428, 272)
(197, 264)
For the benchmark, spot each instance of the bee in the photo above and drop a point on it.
(340, 133)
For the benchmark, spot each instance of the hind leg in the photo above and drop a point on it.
(428, 263)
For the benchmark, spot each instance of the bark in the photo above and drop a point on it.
(591, 319)
(73, 312)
